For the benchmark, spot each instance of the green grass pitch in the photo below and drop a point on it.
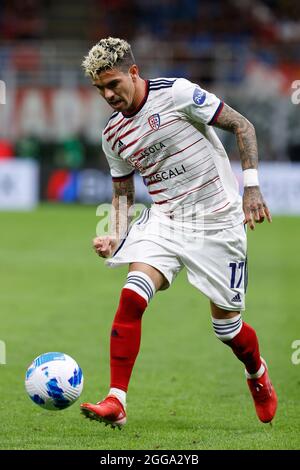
(188, 391)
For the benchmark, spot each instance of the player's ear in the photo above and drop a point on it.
(133, 72)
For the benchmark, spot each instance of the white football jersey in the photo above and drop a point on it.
(170, 142)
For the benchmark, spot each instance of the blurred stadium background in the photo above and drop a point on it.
(56, 295)
(247, 52)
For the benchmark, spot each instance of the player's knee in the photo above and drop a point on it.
(140, 283)
(152, 275)
(135, 296)
(226, 329)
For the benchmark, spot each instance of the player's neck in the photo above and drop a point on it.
(139, 96)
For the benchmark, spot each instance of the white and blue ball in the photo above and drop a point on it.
(54, 381)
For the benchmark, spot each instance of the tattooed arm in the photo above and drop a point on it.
(254, 207)
(123, 199)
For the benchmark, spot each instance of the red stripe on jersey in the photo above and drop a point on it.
(190, 191)
(124, 135)
(126, 146)
(172, 155)
(112, 127)
(220, 190)
(117, 130)
(157, 191)
(216, 210)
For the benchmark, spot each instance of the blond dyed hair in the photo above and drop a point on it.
(107, 54)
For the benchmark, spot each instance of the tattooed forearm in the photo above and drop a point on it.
(123, 199)
(254, 206)
(124, 188)
(231, 120)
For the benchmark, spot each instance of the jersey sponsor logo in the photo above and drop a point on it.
(154, 121)
(152, 152)
(199, 96)
(135, 163)
(167, 174)
(152, 149)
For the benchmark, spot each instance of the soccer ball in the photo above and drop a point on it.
(54, 381)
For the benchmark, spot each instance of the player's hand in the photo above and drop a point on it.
(254, 206)
(105, 246)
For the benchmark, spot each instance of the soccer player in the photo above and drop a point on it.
(163, 128)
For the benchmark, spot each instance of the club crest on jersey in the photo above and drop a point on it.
(199, 96)
(154, 121)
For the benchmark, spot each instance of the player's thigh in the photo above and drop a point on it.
(155, 275)
(147, 248)
(217, 267)
(220, 314)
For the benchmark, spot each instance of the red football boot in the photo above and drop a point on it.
(109, 411)
(264, 396)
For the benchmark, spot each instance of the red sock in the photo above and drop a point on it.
(245, 347)
(125, 338)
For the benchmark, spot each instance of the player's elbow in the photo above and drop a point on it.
(244, 126)
(251, 126)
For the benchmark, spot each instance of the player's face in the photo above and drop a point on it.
(117, 87)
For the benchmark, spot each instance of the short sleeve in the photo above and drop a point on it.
(196, 103)
(119, 169)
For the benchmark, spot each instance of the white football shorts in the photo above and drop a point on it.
(215, 260)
